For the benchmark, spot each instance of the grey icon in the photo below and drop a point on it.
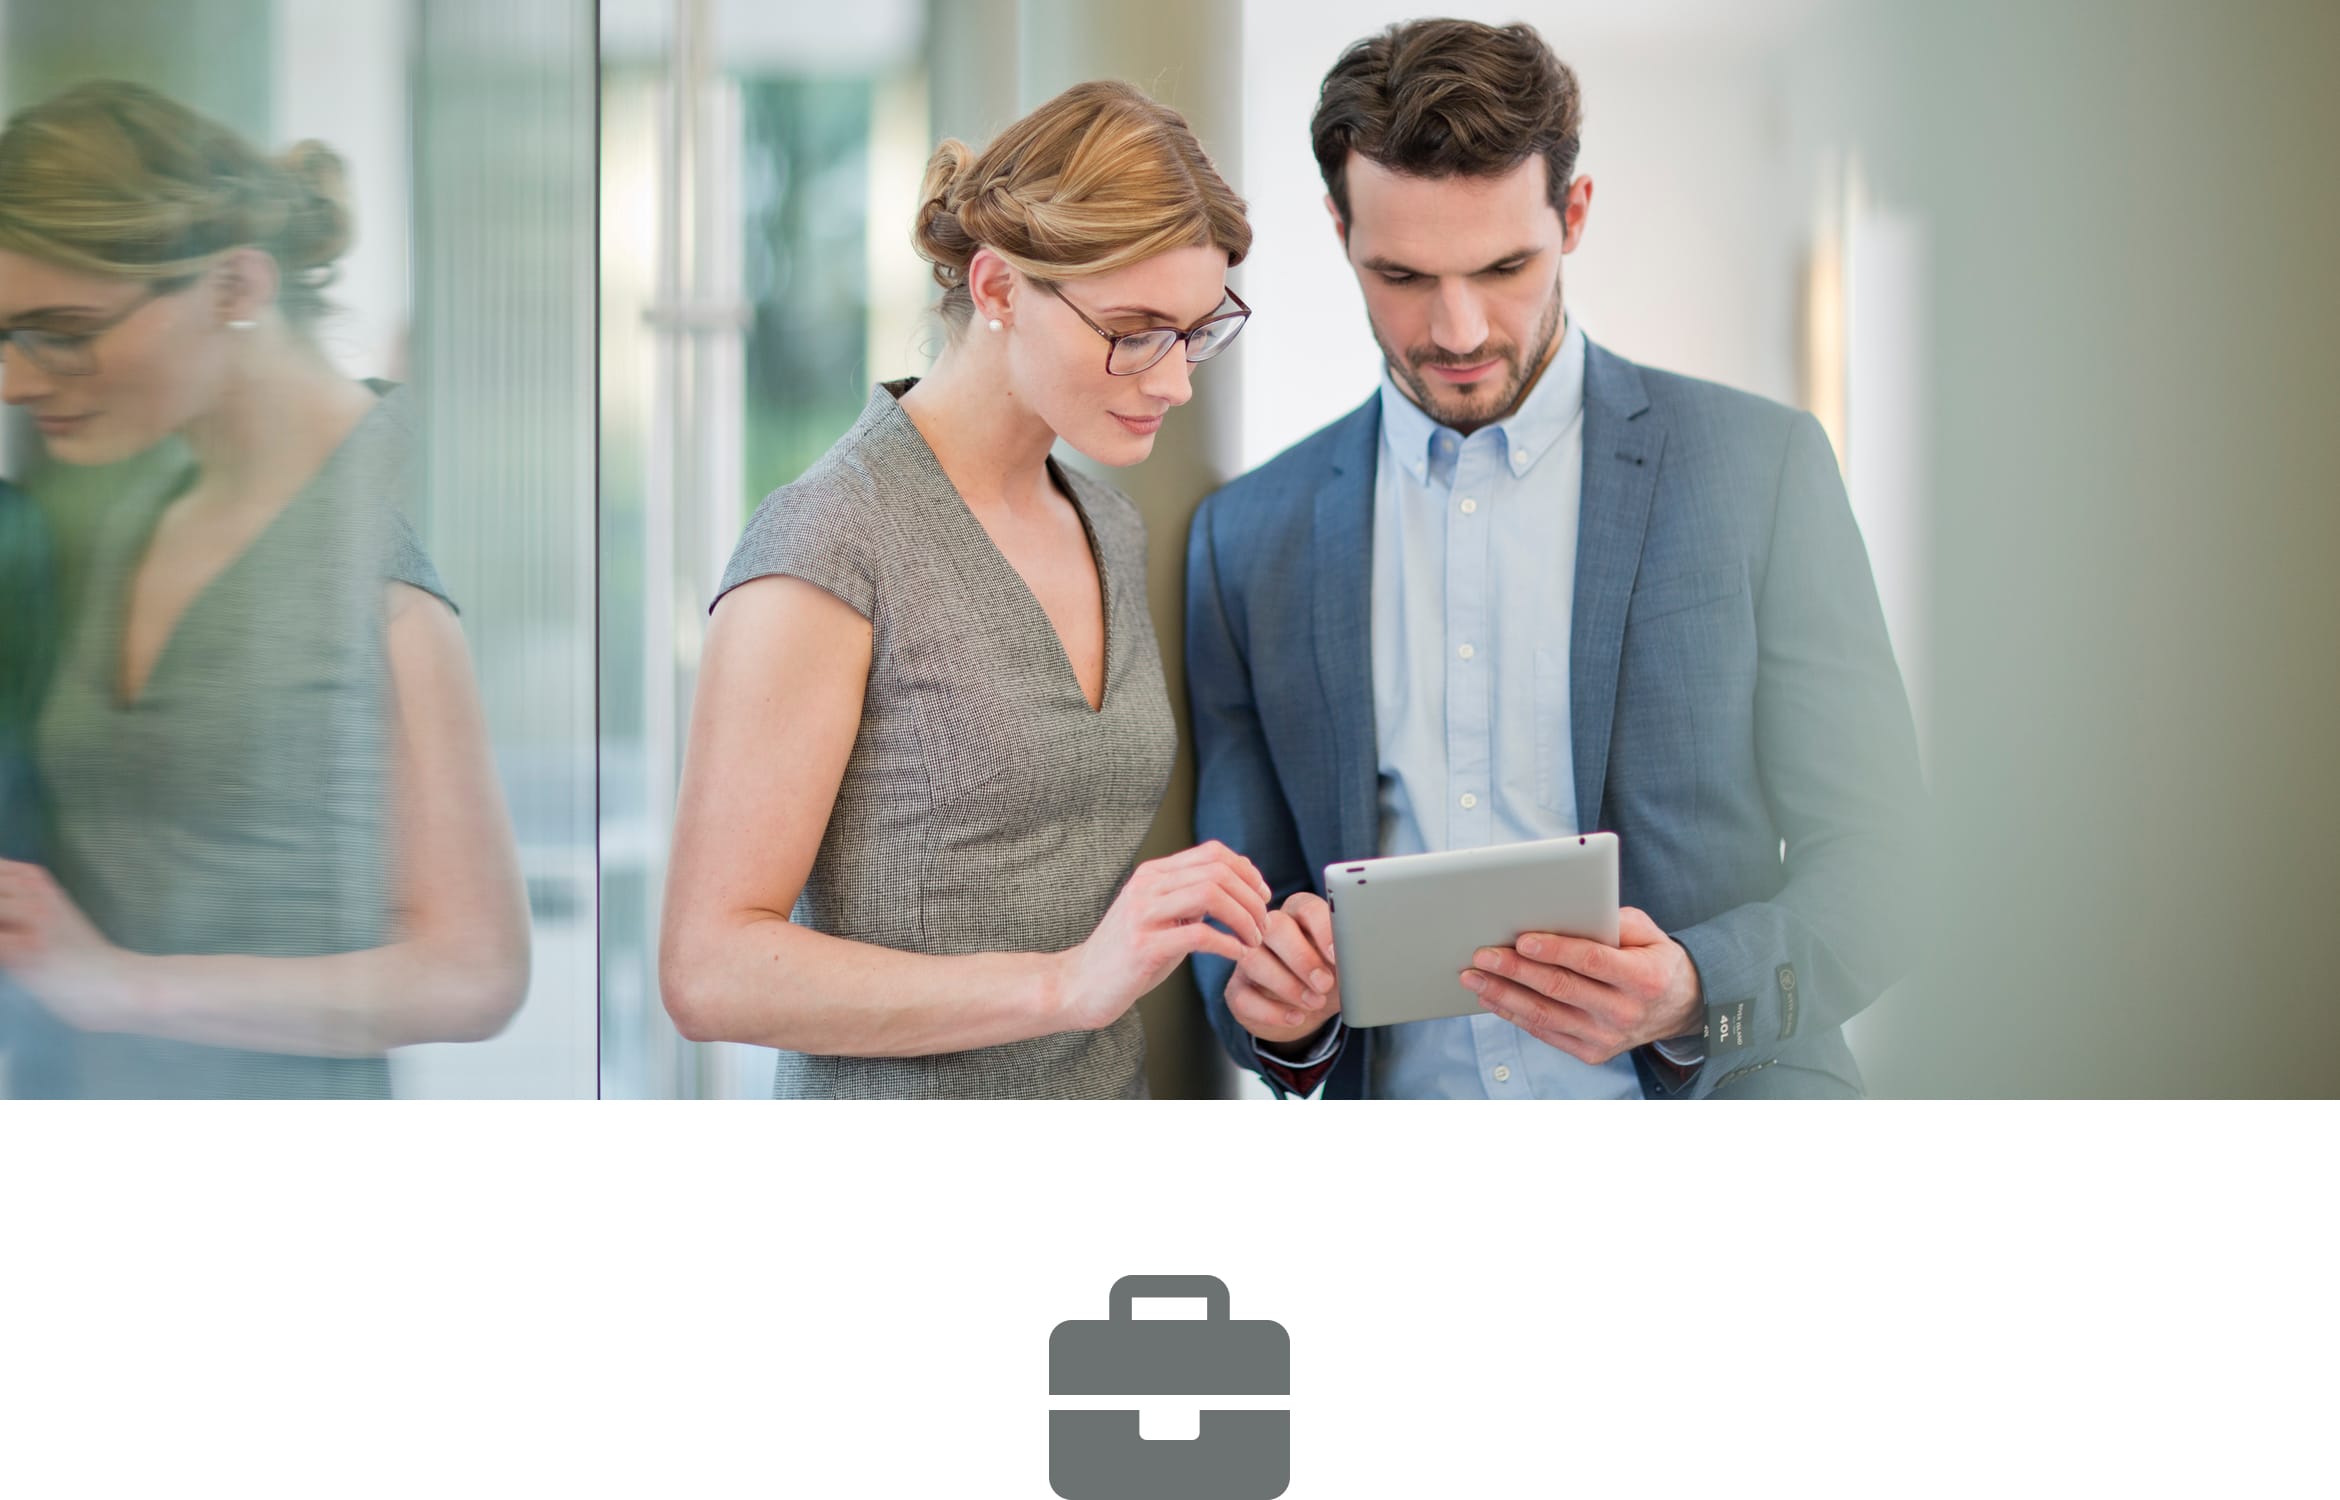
(1238, 1455)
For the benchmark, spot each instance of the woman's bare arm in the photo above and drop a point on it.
(778, 708)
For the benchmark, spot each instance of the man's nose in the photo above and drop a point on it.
(1458, 324)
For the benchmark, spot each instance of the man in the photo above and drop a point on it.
(1530, 589)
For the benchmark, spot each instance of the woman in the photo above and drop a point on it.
(930, 719)
(279, 848)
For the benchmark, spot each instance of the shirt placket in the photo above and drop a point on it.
(1470, 708)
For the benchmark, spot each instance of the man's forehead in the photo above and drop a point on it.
(1449, 220)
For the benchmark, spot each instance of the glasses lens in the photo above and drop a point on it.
(57, 356)
(1140, 351)
(1214, 336)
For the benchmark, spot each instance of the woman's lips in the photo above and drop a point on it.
(1139, 426)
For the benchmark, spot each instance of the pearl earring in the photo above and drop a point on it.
(242, 325)
(997, 325)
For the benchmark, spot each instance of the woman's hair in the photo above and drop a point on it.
(117, 180)
(1098, 178)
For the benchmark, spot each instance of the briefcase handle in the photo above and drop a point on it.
(1210, 1288)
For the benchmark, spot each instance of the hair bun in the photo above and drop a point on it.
(942, 240)
(317, 227)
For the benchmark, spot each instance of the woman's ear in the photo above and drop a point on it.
(244, 284)
(993, 283)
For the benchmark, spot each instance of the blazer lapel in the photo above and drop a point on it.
(1622, 441)
(1342, 580)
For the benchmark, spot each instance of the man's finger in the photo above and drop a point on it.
(1290, 941)
(1314, 914)
(1593, 960)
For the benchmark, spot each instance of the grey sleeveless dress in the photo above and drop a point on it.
(985, 807)
(241, 804)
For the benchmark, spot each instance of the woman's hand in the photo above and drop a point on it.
(1156, 922)
(56, 954)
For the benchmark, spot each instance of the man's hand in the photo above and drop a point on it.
(1287, 987)
(1592, 1001)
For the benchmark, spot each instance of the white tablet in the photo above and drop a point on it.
(1404, 928)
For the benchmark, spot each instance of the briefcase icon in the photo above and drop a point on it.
(1238, 1455)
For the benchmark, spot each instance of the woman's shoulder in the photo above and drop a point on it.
(832, 525)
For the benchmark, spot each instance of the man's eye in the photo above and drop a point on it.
(1400, 278)
(1511, 270)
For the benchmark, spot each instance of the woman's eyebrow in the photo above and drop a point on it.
(36, 314)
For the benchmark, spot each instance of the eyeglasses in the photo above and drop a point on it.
(1136, 353)
(75, 354)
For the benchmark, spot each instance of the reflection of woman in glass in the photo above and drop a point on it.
(930, 717)
(279, 846)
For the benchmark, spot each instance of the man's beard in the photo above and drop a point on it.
(1445, 404)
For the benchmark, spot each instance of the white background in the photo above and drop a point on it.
(455, 1299)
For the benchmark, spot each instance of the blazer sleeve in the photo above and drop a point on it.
(1238, 799)
(1836, 751)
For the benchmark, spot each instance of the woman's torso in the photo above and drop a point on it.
(985, 807)
(240, 803)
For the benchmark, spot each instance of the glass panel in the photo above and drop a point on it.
(745, 307)
(295, 669)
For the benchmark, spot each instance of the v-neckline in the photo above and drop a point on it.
(1065, 486)
(119, 695)
(134, 562)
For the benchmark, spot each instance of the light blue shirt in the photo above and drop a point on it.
(1474, 580)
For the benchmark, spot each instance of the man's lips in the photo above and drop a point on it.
(1465, 374)
(54, 426)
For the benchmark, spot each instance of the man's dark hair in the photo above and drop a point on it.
(1448, 99)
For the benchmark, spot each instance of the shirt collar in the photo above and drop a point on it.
(1551, 408)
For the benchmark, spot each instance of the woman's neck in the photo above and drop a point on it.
(992, 447)
(281, 415)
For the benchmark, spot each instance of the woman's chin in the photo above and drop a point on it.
(1116, 449)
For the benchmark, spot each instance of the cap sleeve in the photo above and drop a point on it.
(813, 532)
(406, 562)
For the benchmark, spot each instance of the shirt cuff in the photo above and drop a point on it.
(1303, 1075)
(1683, 1051)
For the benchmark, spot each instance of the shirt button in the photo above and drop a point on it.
(1469, 800)
(1503, 1072)
(1468, 651)
(1470, 507)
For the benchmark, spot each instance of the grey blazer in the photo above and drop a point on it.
(1732, 691)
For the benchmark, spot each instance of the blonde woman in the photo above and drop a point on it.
(280, 850)
(931, 721)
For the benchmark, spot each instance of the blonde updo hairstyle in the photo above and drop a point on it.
(114, 179)
(1098, 178)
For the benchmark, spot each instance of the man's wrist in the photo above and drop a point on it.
(1300, 1052)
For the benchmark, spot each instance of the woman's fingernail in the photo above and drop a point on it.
(1473, 979)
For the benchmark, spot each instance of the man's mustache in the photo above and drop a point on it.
(1442, 360)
